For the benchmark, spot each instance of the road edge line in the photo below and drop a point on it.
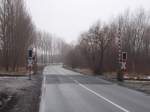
(42, 94)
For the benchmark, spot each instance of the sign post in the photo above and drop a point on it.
(124, 61)
(30, 62)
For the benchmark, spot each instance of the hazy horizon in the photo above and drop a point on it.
(68, 18)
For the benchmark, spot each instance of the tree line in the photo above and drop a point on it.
(97, 48)
(52, 49)
(17, 33)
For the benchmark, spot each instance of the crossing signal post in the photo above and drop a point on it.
(30, 53)
(123, 66)
(122, 58)
(30, 62)
(124, 61)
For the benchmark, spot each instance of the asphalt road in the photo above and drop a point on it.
(68, 91)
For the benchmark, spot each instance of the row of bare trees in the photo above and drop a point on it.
(51, 49)
(97, 48)
(17, 33)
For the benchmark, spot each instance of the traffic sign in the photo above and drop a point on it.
(30, 62)
(30, 53)
(123, 66)
(124, 56)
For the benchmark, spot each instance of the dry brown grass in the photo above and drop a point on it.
(85, 71)
(20, 71)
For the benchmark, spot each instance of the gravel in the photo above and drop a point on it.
(25, 94)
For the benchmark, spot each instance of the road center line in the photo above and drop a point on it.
(100, 96)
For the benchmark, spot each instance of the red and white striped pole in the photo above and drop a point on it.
(119, 48)
(122, 56)
(120, 72)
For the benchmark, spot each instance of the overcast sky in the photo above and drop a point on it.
(68, 18)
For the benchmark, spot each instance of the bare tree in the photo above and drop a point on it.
(16, 31)
(99, 45)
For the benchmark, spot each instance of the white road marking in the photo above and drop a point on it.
(102, 97)
(42, 107)
(42, 103)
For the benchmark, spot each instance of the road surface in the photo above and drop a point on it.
(67, 91)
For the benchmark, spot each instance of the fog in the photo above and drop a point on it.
(68, 18)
